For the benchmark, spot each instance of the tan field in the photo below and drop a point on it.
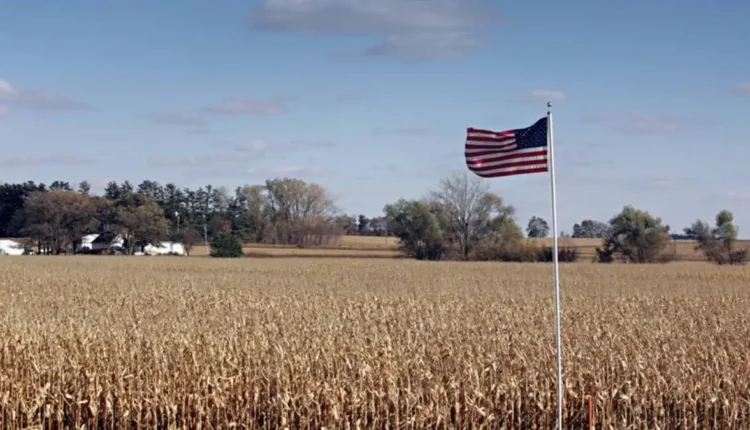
(166, 342)
(381, 247)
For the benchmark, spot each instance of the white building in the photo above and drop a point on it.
(165, 248)
(10, 247)
(98, 242)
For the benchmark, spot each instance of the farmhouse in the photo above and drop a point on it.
(98, 242)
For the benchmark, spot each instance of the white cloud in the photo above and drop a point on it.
(548, 95)
(36, 100)
(244, 106)
(289, 169)
(4, 110)
(406, 29)
(254, 146)
(200, 161)
(6, 90)
(46, 161)
(177, 118)
(738, 195)
(402, 131)
(744, 87)
(348, 98)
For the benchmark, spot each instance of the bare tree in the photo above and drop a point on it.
(469, 209)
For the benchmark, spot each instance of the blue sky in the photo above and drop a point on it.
(372, 98)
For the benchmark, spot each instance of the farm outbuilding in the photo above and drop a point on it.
(11, 247)
(98, 242)
(165, 248)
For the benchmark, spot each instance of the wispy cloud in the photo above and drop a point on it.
(36, 100)
(200, 131)
(636, 182)
(302, 144)
(639, 123)
(548, 95)
(738, 195)
(245, 106)
(177, 118)
(285, 170)
(246, 155)
(262, 147)
(253, 146)
(402, 131)
(46, 161)
(4, 110)
(406, 29)
(579, 158)
(348, 98)
(744, 87)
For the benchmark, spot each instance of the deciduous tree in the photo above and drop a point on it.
(636, 235)
(537, 227)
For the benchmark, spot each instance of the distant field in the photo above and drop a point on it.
(382, 247)
(683, 250)
(288, 251)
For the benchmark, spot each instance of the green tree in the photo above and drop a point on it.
(590, 229)
(363, 225)
(84, 187)
(537, 227)
(718, 244)
(12, 198)
(417, 225)
(226, 246)
(636, 235)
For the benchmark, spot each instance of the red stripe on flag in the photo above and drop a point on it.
(499, 156)
(517, 172)
(480, 167)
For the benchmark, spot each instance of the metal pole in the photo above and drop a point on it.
(555, 263)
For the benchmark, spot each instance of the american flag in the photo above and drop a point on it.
(491, 154)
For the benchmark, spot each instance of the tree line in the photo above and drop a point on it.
(281, 211)
(461, 219)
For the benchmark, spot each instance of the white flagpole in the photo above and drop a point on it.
(555, 263)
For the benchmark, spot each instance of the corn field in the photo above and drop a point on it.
(111, 342)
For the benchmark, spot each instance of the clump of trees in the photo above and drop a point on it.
(719, 244)
(537, 227)
(462, 220)
(590, 229)
(635, 236)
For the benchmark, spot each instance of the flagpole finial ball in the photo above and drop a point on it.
(549, 104)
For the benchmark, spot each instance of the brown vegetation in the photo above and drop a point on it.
(122, 342)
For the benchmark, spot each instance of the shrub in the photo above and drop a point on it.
(739, 256)
(604, 255)
(524, 252)
(226, 246)
(565, 254)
